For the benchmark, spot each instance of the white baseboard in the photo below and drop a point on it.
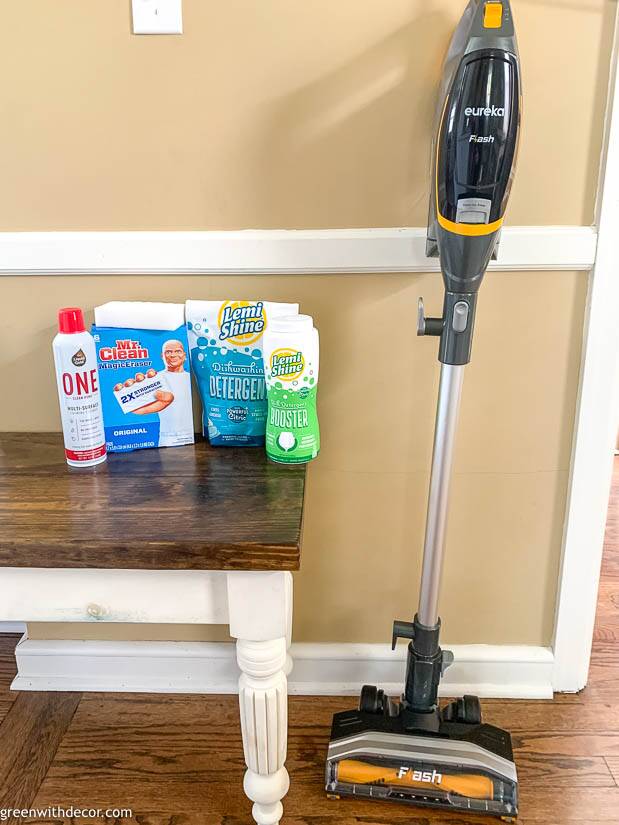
(499, 671)
(12, 627)
(277, 251)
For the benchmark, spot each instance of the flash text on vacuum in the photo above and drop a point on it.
(432, 777)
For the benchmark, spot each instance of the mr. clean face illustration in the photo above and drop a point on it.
(174, 356)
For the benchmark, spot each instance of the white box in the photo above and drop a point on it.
(139, 393)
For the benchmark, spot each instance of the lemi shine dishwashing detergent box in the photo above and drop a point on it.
(145, 387)
(226, 356)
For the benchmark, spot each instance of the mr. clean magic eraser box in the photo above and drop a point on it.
(143, 361)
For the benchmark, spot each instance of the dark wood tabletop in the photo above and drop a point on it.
(178, 508)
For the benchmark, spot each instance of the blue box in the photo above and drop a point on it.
(145, 387)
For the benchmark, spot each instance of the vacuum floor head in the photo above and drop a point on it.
(461, 766)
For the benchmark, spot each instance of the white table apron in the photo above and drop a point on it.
(257, 605)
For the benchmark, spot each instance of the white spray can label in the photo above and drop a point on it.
(78, 392)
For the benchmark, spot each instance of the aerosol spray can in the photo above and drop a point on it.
(78, 390)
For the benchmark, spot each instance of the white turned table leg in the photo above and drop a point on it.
(264, 725)
(288, 609)
(260, 615)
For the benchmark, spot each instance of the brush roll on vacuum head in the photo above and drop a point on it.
(462, 765)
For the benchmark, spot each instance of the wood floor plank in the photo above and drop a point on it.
(158, 818)
(556, 821)
(606, 632)
(568, 805)
(416, 818)
(159, 752)
(603, 686)
(599, 743)
(411, 816)
(8, 671)
(541, 769)
(5, 707)
(606, 655)
(554, 715)
(610, 564)
(608, 600)
(30, 736)
(613, 766)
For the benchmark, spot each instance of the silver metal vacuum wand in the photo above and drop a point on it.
(447, 412)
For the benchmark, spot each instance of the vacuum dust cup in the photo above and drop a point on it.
(412, 750)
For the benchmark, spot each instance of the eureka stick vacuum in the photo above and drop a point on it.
(412, 750)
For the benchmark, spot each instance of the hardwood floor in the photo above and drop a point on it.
(33, 729)
(177, 760)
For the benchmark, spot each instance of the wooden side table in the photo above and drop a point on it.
(218, 529)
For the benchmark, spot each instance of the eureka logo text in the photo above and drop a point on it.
(488, 111)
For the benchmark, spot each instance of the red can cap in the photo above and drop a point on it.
(71, 319)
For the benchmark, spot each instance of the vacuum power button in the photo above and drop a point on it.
(493, 15)
(460, 316)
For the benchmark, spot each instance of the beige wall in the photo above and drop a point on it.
(275, 113)
(280, 114)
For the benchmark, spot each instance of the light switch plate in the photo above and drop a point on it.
(157, 16)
